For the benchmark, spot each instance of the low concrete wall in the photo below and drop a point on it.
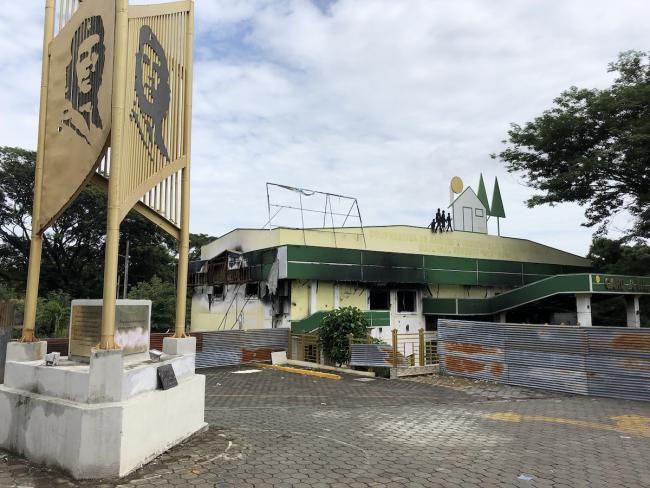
(307, 364)
(73, 382)
(414, 371)
(100, 440)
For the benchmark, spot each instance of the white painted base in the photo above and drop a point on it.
(102, 439)
(26, 351)
(186, 345)
(97, 420)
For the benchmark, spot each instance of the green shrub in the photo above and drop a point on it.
(335, 329)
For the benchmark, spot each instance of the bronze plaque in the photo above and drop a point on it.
(132, 326)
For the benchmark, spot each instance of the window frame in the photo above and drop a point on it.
(415, 301)
(256, 294)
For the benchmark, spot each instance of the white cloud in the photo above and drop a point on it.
(381, 100)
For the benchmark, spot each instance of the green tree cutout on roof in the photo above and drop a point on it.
(482, 195)
(496, 210)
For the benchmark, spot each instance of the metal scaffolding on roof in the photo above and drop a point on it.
(285, 200)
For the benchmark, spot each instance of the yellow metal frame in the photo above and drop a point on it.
(36, 246)
(159, 188)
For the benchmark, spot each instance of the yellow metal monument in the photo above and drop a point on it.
(116, 106)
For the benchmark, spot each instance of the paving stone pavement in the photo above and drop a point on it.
(273, 429)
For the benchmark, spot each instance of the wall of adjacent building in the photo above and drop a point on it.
(234, 311)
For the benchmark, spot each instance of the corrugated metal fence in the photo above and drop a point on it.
(7, 313)
(218, 348)
(377, 355)
(231, 347)
(603, 361)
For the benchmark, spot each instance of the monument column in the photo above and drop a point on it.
(34, 266)
(583, 308)
(113, 218)
(184, 241)
(633, 314)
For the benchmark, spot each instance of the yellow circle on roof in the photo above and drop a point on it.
(456, 184)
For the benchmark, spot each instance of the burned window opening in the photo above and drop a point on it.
(252, 290)
(379, 299)
(406, 301)
(218, 292)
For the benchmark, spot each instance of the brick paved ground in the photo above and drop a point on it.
(272, 429)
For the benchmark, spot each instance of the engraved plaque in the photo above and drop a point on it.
(132, 326)
(166, 377)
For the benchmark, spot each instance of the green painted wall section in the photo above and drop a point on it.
(308, 324)
(331, 264)
(568, 284)
(620, 284)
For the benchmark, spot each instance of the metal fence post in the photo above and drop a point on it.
(422, 346)
(289, 341)
(395, 348)
(301, 353)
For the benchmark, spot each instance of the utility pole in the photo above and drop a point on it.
(126, 270)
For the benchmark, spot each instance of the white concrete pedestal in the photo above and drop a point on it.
(103, 419)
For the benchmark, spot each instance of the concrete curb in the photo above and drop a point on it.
(307, 364)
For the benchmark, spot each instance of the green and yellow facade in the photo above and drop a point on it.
(402, 277)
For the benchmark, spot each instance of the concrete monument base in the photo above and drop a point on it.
(97, 420)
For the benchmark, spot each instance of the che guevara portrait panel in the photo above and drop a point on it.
(78, 105)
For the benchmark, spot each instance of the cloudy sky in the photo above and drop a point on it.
(383, 100)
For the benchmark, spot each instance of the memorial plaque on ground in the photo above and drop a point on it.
(132, 326)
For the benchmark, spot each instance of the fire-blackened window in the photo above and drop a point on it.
(406, 301)
(379, 299)
(218, 292)
(252, 289)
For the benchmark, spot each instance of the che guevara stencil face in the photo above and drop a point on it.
(84, 78)
(152, 92)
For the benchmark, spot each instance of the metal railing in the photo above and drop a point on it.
(305, 347)
(405, 350)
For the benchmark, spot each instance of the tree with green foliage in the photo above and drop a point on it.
(334, 332)
(617, 257)
(163, 297)
(592, 148)
(53, 315)
(196, 242)
(73, 248)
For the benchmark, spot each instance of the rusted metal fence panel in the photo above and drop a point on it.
(601, 361)
(471, 349)
(232, 347)
(7, 314)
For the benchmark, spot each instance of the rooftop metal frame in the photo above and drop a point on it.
(353, 213)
